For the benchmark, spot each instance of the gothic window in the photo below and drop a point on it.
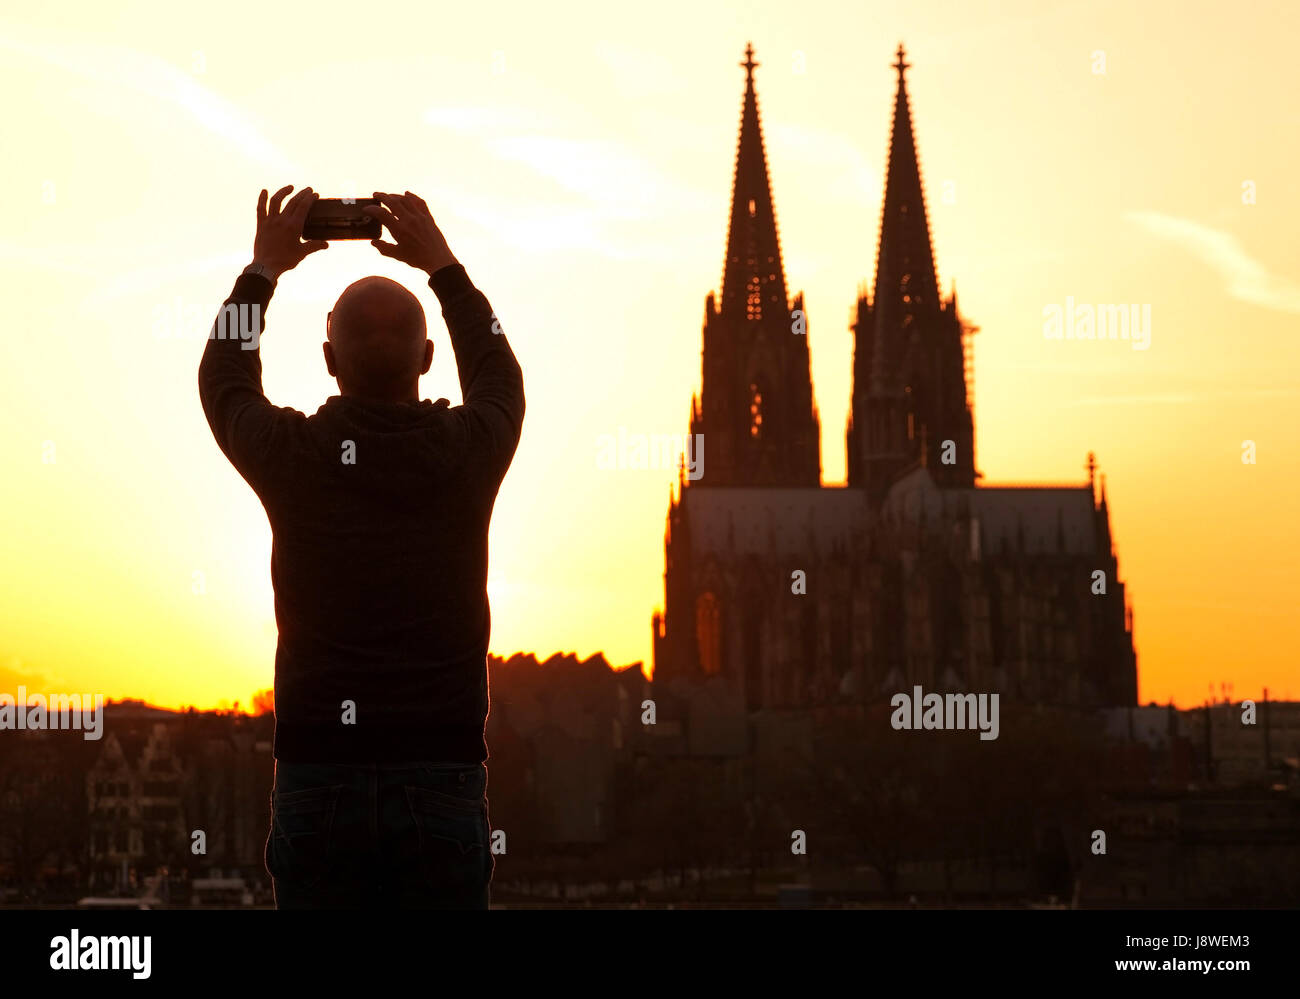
(755, 411)
(753, 208)
(708, 633)
(753, 299)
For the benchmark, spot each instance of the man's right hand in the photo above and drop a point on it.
(418, 240)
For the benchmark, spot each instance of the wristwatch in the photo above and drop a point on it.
(261, 271)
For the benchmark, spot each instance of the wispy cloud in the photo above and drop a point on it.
(545, 230)
(66, 261)
(609, 186)
(619, 183)
(481, 119)
(1181, 398)
(638, 72)
(14, 674)
(156, 279)
(1246, 278)
(112, 68)
(849, 175)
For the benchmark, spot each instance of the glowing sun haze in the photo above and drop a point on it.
(579, 161)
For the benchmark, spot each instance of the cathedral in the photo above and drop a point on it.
(784, 593)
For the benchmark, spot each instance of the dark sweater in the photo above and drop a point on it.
(380, 550)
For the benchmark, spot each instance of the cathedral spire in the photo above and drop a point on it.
(753, 280)
(756, 400)
(905, 275)
(1103, 522)
(911, 401)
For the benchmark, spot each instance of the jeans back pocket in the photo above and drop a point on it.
(302, 833)
(455, 863)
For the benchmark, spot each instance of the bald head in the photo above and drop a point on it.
(377, 347)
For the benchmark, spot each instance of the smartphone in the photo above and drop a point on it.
(333, 218)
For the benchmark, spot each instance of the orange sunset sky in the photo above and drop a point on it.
(579, 159)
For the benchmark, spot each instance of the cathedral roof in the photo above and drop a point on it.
(773, 521)
(1033, 519)
(1051, 518)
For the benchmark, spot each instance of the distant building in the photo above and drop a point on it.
(1204, 808)
(160, 777)
(556, 733)
(782, 593)
(134, 795)
(1223, 744)
(1204, 847)
(1234, 751)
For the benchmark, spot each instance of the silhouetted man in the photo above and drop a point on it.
(379, 507)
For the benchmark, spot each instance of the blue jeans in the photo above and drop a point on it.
(379, 835)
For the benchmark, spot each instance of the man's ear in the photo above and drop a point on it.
(428, 357)
(329, 358)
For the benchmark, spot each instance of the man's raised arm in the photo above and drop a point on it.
(230, 374)
(491, 382)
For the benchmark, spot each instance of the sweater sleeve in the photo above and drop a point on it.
(491, 381)
(243, 421)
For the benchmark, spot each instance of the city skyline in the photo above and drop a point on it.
(131, 529)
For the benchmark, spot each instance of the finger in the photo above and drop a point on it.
(378, 211)
(294, 205)
(416, 207)
(261, 205)
(311, 246)
(393, 202)
(298, 208)
(385, 216)
(278, 197)
(387, 249)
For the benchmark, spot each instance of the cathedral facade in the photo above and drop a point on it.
(782, 593)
